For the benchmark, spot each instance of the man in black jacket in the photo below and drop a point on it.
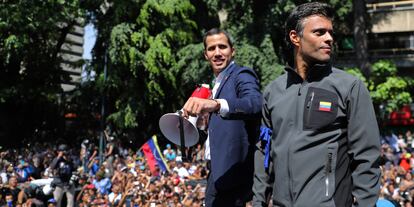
(63, 168)
(321, 137)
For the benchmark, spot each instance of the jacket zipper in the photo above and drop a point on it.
(328, 170)
(309, 106)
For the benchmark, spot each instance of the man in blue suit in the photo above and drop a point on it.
(235, 110)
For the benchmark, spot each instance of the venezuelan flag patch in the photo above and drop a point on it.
(325, 106)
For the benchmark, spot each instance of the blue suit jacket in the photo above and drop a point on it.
(232, 137)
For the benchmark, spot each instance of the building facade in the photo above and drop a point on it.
(71, 53)
(391, 37)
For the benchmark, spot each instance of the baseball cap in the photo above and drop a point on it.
(62, 147)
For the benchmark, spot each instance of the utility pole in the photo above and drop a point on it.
(102, 134)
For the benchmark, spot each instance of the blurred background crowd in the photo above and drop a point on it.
(56, 174)
(60, 174)
(397, 166)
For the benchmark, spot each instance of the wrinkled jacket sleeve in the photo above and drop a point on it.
(248, 103)
(364, 146)
(263, 177)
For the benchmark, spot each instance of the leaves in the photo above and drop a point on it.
(30, 68)
(143, 54)
(393, 92)
(385, 86)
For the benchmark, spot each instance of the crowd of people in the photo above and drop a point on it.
(29, 177)
(397, 161)
(56, 174)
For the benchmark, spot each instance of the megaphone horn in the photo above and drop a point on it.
(179, 130)
(170, 127)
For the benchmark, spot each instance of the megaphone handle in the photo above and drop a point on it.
(182, 140)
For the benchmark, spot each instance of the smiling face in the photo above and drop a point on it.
(218, 52)
(314, 43)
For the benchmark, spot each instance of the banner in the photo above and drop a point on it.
(154, 156)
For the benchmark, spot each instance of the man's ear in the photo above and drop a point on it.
(294, 37)
(233, 52)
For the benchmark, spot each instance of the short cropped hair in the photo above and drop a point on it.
(215, 31)
(296, 17)
(295, 22)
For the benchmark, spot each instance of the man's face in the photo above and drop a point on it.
(218, 52)
(315, 44)
(13, 181)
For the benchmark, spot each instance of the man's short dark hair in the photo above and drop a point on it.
(215, 31)
(296, 17)
(295, 22)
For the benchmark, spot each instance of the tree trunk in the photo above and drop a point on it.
(360, 37)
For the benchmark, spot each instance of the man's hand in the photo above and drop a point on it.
(195, 106)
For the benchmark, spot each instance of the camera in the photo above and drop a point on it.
(74, 178)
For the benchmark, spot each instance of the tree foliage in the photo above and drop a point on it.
(385, 86)
(142, 51)
(31, 36)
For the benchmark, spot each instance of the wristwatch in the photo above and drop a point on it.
(218, 106)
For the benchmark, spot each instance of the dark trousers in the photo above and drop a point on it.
(235, 197)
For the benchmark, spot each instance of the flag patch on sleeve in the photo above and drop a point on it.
(325, 106)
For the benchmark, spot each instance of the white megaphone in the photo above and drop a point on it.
(170, 127)
(179, 130)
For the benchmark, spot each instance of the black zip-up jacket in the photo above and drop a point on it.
(325, 143)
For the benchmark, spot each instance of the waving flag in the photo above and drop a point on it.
(154, 156)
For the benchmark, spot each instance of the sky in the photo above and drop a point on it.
(89, 38)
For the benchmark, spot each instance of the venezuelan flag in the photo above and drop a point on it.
(325, 106)
(153, 155)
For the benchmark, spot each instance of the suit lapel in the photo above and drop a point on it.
(225, 78)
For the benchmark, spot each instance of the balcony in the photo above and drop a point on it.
(392, 36)
(392, 16)
(395, 46)
(387, 5)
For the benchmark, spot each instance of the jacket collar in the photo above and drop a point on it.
(225, 73)
(316, 73)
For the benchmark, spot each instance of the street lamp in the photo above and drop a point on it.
(101, 137)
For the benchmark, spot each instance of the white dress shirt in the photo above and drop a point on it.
(224, 106)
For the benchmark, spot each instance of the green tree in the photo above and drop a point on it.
(31, 36)
(142, 40)
(387, 89)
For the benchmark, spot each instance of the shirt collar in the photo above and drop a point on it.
(225, 69)
(316, 72)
